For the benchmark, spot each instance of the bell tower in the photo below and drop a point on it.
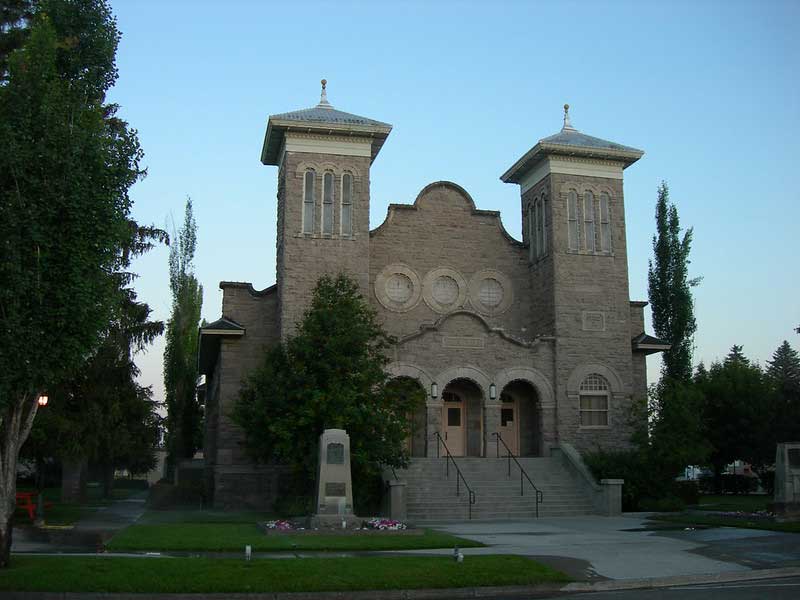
(573, 214)
(323, 157)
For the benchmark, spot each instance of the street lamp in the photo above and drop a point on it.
(42, 402)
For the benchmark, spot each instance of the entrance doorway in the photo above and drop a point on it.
(462, 418)
(454, 422)
(520, 419)
(509, 423)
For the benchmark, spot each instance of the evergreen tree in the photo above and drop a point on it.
(66, 164)
(184, 415)
(669, 288)
(738, 412)
(101, 412)
(783, 372)
(330, 375)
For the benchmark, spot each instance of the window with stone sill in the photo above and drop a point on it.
(589, 223)
(572, 220)
(327, 203)
(536, 229)
(347, 204)
(308, 201)
(594, 397)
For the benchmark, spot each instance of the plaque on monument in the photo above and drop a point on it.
(335, 454)
(335, 489)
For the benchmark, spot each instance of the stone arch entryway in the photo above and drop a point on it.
(536, 415)
(462, 417)
(520, 418)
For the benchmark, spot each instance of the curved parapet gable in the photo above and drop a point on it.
(431, 196)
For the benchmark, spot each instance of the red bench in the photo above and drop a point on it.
(25, 501)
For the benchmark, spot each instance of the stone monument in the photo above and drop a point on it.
(787, 482)
(334, 505)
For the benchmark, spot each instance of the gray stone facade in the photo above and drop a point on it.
(545, 348)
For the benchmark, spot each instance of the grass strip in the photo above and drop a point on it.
(232, 537)
(193, 575)
(733, 502)
(690, 519)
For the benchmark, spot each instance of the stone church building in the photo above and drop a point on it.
(534, 339)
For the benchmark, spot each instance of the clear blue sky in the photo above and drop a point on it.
(708, 89)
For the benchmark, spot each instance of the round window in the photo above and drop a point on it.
(491, 292)
(399, 288)
(445, 290)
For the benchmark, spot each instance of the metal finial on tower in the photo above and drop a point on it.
(323, 96)
(567, 125)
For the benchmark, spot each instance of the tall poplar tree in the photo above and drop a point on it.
(669, 288)
(66, 164)
(180, 355)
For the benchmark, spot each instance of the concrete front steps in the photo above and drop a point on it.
(431, 496)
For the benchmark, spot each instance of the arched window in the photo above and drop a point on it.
(540, 228)
(588, 221)
(594, 394)
(308, 202)
(327, 203)
(572, 219)
(347, 204)
(531, 234)
(536, 228)
(605, 224)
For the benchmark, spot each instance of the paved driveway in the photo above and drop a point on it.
(626, 548)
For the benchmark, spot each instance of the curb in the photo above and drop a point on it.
(661, 582)
(435, 594)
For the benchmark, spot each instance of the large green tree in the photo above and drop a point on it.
(184, 416)
(15, 16)
(669, 289)
(738, 412)
(331, 374)
(783, 374)
(66, 164)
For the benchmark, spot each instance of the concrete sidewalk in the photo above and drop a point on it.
(593, 548)
(88, 534)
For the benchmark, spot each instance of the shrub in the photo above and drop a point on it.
(688, 492)
(665, 504)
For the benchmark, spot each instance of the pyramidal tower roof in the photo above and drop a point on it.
(571, 142)
(321, 119)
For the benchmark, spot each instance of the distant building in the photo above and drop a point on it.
(536, 339)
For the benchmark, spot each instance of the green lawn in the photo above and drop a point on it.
(192, 575)
(729, 502)
(691, 519)
(190, 515)
(232, 537)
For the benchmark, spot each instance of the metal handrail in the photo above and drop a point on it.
(459, 475)
(539, 495)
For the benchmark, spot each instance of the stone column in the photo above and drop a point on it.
(491, 425)
(433, 409)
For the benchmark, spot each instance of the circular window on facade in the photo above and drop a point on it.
(490, 292)
(444, 289)
(398, 288)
